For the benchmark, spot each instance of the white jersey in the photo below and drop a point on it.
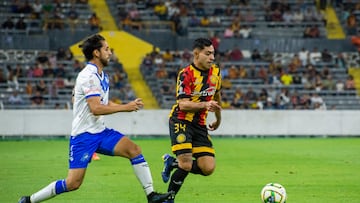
(88, 84)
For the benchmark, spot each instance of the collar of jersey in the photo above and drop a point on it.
(93, 64)
(193, 65)
(104, 81)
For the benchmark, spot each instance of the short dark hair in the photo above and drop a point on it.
(90, 44)
(201, 43)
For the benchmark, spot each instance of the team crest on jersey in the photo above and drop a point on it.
(180, 138)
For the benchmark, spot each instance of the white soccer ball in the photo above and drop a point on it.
(273, 193)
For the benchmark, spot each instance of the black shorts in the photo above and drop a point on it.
(189, 138)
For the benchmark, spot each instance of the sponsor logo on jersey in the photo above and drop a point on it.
(207, 92)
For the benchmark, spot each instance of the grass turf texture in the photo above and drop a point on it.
(314, 170)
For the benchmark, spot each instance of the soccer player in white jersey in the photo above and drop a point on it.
(89, 133)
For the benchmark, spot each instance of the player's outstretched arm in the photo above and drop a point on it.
(99, 109)
(187, 105)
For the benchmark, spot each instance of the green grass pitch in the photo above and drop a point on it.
(313, 170)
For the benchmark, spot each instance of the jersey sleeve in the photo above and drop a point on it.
(220, 81)
(183, 89)
(91, 86)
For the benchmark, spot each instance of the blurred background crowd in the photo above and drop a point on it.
(273, 54)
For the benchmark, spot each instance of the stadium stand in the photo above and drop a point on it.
(339, 95)
(349, 15)
(62, 15)
(27, 70)
(196, 19)
(280, 28)
(326, 79)
(34, 55)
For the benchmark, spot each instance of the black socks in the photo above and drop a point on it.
(177, 179)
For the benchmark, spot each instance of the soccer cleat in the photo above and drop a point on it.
(95, 157)
(168, 161)
(169, 201)
(24, 199)
(156, 197)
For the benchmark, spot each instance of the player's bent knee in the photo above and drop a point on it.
(208, 171)
(185, 166)
(134, 151)
(131, 151)
(71, 186)
(126, 148)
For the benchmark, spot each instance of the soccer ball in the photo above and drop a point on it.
(273, 193)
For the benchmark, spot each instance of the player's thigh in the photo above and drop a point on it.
(81, 147)
(206, 164)
(114, 143)
(126, 148)
(181, 136)
(75, 178)
(203, 150)
(185, 161)
(201, 144)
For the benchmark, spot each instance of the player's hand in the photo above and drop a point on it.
(214, 125)
(213, 106)
(136, 105)
(139, 102)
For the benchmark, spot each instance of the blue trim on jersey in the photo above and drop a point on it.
(138, 159)
(60, 187)
(104, 83)
(92, 64)
(92, 95)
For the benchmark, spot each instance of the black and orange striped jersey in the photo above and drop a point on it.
(199, 86)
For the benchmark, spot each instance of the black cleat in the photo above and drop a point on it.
(156, 197)
(169, 201)
(24, 199)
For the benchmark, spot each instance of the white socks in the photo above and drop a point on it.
(142, 172)
(44, 194)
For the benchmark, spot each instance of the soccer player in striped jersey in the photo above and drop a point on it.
(197, 93)
(89, 133)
